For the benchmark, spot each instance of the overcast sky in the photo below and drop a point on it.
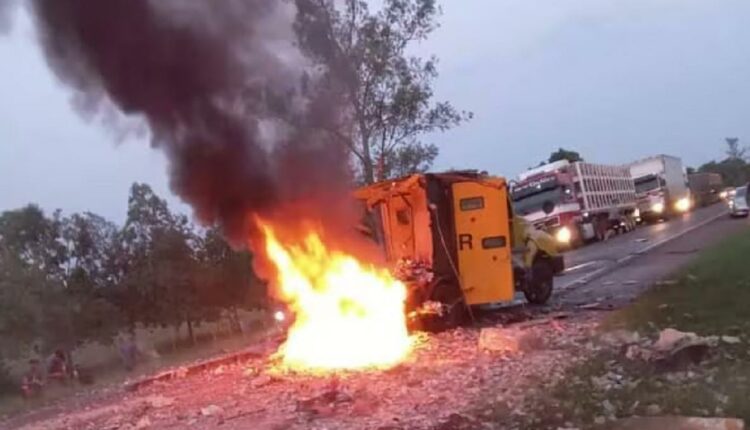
(615, 80)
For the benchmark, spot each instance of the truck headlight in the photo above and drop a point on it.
(682, 205)
(658, 207)
(563, 235)
(723, 194)
(279, 316)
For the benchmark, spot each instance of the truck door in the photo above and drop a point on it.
(483, 242)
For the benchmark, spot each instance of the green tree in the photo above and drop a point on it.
(33, 238)
(734, 169)
(131, 268)
(734, 151)
(564, 154)
(386, 92)
(228, 280)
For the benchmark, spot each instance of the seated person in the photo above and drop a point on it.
(57, 366)
(33, 380)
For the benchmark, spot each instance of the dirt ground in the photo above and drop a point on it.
(446, 380)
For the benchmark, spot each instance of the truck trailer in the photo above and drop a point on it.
(576, 202)
(661, 187)
(705, 188)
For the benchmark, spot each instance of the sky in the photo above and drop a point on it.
(616, 80)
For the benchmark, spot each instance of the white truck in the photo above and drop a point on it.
(661, 187)
(576, 202)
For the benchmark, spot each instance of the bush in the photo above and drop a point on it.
(8, 385)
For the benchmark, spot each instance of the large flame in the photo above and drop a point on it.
(347, 315)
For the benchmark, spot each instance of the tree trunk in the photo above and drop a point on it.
(235, 319)
(191, 334)
(176, 337)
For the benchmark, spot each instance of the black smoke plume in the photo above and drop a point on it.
(223, 90)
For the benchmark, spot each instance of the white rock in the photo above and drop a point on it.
(212, 410)
(731, 339)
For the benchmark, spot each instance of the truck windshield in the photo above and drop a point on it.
(645, 184)
(535, 202)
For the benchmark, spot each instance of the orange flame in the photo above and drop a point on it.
(347, 316)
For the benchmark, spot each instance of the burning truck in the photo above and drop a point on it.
(457, 244)
(577, 202)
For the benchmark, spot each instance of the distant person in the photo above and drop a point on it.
(129, 352)
(33, 380)
(57, 366)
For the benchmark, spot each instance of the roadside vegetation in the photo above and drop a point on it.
(83, 285)
(709, 297)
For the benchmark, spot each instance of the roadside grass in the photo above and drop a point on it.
(711, 296)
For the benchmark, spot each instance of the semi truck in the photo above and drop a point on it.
(705, 188)
(661, 187)
(577, 202)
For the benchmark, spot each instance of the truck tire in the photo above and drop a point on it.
(539, 288)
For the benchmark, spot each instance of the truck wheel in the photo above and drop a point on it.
(539, 289)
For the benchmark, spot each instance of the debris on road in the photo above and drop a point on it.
(447, 377)
(678, 423)
(671, 339)
(731, 339)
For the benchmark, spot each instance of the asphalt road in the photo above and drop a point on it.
(617, 270)
(589, 258)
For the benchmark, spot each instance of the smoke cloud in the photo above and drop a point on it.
(224, 91)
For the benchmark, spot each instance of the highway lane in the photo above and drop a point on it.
(593, 257)
(618, 284)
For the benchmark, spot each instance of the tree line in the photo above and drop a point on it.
(66, 280)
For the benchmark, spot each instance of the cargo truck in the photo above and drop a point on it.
(456, 243)
(661, 187)
(705, 188)
(576, 202)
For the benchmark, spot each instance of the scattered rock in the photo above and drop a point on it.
(143, 423)
(620, 337)
(212, 410)
(261, 381)
(682, 356)
(457, 422)
(637, 352)
(157, 402)
(669, 338)
(731, 339)
(678, 423)
(500, 340)
(600, 420)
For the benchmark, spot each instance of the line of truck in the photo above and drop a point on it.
(579, 202)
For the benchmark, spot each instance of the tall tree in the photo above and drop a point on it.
(386, 92)
(564, 154)
(228, 281)
(734, 151)
(130, 264)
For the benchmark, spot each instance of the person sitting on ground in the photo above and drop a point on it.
(57, 366)
(33, 380)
